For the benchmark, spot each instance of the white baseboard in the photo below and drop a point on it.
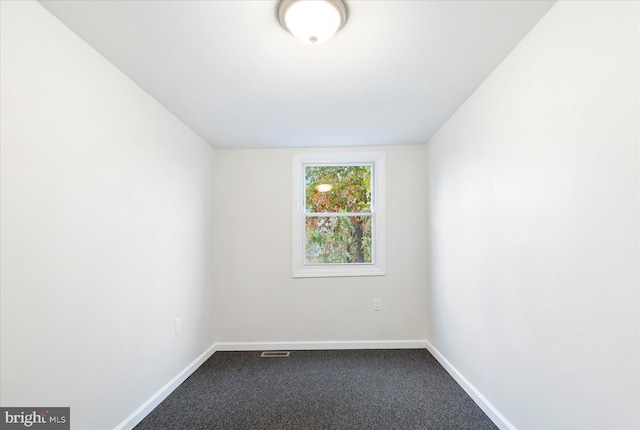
(319, 345)
(495, 416)
(138, 415)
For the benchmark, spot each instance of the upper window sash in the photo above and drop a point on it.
(372, 186)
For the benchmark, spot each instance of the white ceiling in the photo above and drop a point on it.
(393, 75)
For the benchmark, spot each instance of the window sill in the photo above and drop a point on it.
(337, 271)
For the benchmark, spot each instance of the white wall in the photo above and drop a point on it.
(534, 226)
(259, 301)
(106, 229)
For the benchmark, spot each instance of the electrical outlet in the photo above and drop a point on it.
(377, 304)
(178, 326)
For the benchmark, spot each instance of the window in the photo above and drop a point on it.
(338, 220)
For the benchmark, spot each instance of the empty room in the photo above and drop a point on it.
(319, 214)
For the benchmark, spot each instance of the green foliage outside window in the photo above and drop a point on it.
(338, 239)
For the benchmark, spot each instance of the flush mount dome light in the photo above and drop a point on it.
(312, 21)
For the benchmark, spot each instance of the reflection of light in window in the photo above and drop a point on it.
(323, 188)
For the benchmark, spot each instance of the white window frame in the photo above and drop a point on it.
(377, 266)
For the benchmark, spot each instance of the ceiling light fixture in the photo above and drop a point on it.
(312, 21)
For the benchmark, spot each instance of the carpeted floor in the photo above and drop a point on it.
(344, 389)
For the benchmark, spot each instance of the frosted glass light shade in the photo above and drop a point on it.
(312, 21)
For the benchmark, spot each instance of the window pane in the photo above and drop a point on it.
(338, 240)
(338, 188)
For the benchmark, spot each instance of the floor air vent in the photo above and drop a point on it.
(275, 354)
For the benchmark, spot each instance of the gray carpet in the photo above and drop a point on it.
(345, 389)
